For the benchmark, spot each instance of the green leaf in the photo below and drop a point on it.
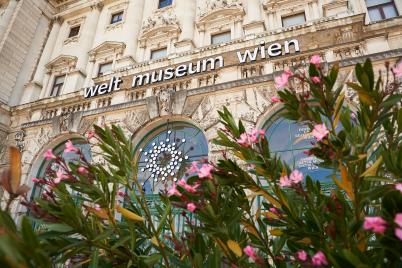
(59, 227)
(150, 261)
(163, 219)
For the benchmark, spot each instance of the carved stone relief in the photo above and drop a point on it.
(212, 5)
(135, 119)
(163, 19)
(3, 147)
(20, 139)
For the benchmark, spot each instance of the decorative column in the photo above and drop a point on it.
(6, 17)
(88, 34)
(134, 19)
(90, 70)
(47, 51)
(253, 11)
(185, 10)
(316, 10)
(238, 30)
(271, 21)
(45, 86)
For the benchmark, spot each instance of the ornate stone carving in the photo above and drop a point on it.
(20, 139)
(136, 119)
(163, 19)
(65, 121)
(3, 147)
(44, 136)
(165, 101)
(213, 5)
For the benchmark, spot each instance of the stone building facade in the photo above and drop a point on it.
(53, 52)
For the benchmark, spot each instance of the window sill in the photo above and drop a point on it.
(71, 40)
(115, 26)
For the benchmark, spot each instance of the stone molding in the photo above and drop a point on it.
(107, 48)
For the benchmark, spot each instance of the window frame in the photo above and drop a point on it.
(104, 64)
(55, 86)
(221, 34)
(380, 8)
(71, 29)
(111, 22)
(294, 15)
(158, 49)
(167, 5)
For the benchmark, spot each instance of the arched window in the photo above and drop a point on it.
(69, 157)
(289, 140)
(166, 153)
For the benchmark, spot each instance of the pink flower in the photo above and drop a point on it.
(174, 191)
(97, 207)
(398, 70)
(256, 134)
(316, 59)
(49, 155)
(35, 180)
(70, 148)
(249, 251)
(82, 170)
(319, 259)
(205, 171)
(315, 79)
(90, 135)
(191, 189)
(282, 81)
(121, 193)
(182, 183)
(288, 71)
(302, 255)
(193, 168)
(285, 182)
(320, 131)
(375, 224)
(243, 141)
(274, 210)
(275, 99)
(191, 207)
(60, 176)
(398, 219)
(296, 176)
(398, 233)
(399, 187)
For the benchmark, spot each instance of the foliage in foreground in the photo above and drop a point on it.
(251, 209)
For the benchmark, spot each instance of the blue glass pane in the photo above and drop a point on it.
(165, 3)
(289, 140)
(166, 156)
(68, 157)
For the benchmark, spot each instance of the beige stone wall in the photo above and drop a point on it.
(340, 31)
(23, 29)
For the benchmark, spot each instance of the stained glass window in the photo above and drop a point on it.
(167, 152)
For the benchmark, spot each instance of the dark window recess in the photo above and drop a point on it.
(57, 85)
(74, 31)
(105, 68)
(158, 53)
(117, 17)
(293, 20)
(220, 38)
(165, 3)
(381, 9)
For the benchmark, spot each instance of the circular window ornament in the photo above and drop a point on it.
(166, 155)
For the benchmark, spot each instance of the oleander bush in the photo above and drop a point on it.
(249, 209)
